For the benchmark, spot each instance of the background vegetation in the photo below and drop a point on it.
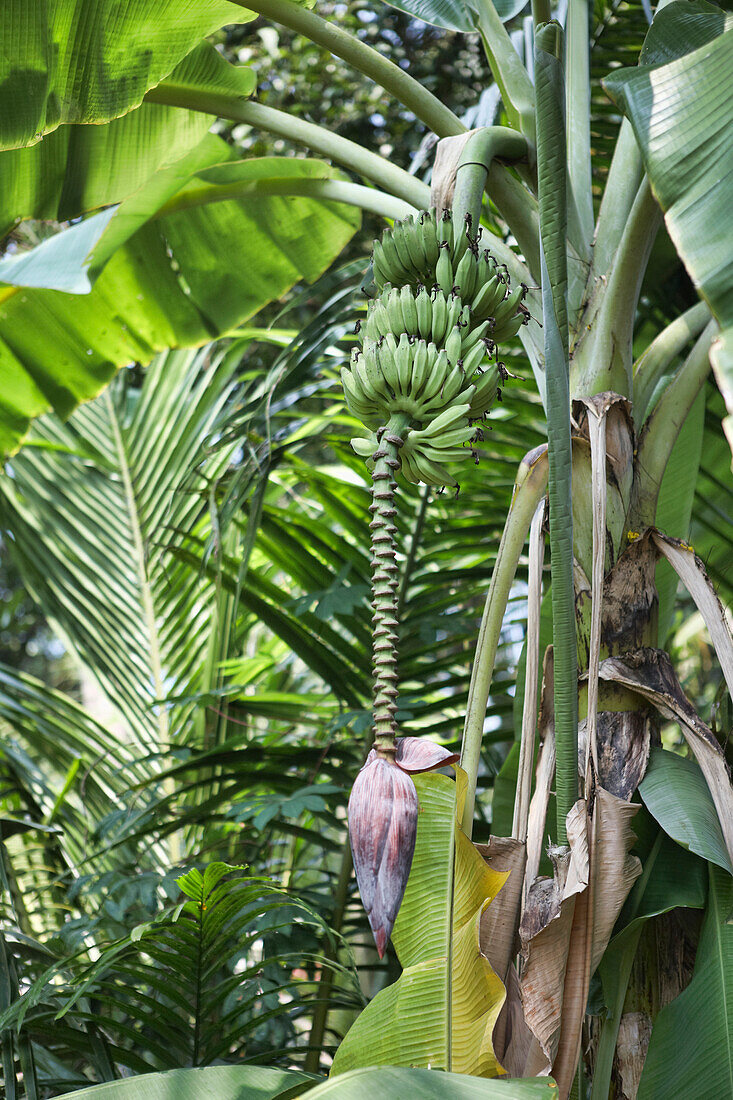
(185, 632)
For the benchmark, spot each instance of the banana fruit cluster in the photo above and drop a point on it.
(443, 306)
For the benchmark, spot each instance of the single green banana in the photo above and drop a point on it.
(403, 365)
(473, 335)
(409, 311)
(424, 309)
(455, 312)
(454, 383)
(393, 311)
(444, 272)
(444, 229)
(399, 236)
(431, 246)
(379, 266)
(461, 240)
(473, 358)
(466, 273)
(443, 422)
(487, 298)
(415, 238)
(365, 448)
(453, 344)
(438, 374)
(439, 318)
(442, 454)
(420, 367)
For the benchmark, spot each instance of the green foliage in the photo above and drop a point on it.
(690, 1046)
(394, 1083)
(79, 63)
(196, 535)
(210, 978)
(675, 792)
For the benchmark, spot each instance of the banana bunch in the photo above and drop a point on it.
(428, 252)
(442, 307)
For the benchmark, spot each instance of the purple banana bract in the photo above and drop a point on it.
(383, 826)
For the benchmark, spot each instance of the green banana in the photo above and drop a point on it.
(415, 240)
(430, 243)
(399, 236)
(466, 274)
(439, 318)
(425, 339)
(453, 344)
(444, 271)
(424, 310)
(408, 310)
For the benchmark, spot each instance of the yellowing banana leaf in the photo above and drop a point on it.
(177, 279)
(89, 61)
(441, 1011)
(79, 168)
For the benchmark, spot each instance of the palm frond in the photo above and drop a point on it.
(90, 513)
(208, 980)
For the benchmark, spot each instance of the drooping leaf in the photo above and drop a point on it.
(176, 281)
(79, 168)
(442, 1010)
(455, 15)
(671, 879)
(89, 61)
(676, 794)
(691, 1048)
(649, 672)
(683, 122)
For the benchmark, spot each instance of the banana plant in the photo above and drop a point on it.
(515, 237)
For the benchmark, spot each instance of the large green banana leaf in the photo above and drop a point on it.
(79, 168)
(691, 1048)
(400, 1084)
(263, 1083)
(89, 61)
(224, 1082)
(680, 105)
(175, 279)
(441, 1011)
(676, 794)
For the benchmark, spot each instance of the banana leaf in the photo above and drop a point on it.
(441, 1012)
(75, 169)
(224, 1082)
(89, 61)
(691, 1048)
(168, 280)
(398, 1084)
(683, 121)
